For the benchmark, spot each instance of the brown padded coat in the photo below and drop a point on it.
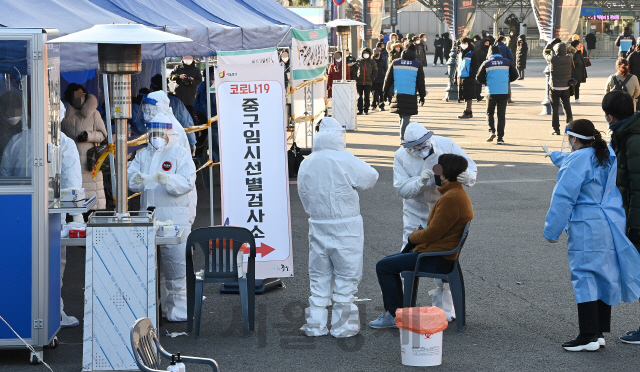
(446, 222)
(87, 119)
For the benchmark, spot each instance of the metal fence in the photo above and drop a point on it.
(605, 47)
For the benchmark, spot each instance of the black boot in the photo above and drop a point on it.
(466, 115)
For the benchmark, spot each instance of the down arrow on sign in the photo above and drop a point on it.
(263, 249)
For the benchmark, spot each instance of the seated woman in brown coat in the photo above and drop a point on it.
(445, 226)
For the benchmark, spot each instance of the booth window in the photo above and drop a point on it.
(16, 136)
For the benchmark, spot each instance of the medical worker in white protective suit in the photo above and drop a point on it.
(165, 174)
(328, 181)
(414, 181)
(158, 103)
(14, 165)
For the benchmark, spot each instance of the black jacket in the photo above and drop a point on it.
(521, 55)
(591, 41)
(188, 87)
(382, 70)
(367, 68)
(482, 50)
(448, 45)
(405, 104)
(634, 62)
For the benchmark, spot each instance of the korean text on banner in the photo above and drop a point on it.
(253, 172)
(267, 55)
(309, 53)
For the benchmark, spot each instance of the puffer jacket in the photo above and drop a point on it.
(626, 144)
(482, 50)
(405, 80)
(393, 55)
(367, 68)
(466, 71)
(521, 55)
(187, 88)
(87, 119)
(561, 65)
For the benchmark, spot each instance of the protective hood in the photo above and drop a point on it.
(161, 98)
(560, 49)
(414, 132)
(330, 136)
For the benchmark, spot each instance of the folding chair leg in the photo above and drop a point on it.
(464, 299)
(458, 303)
(251, 286)
(244, 303)
(198, 306)
(410, 289)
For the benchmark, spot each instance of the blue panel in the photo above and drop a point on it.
(54, 275)
(15, 266)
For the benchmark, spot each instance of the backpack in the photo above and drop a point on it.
(618, 85)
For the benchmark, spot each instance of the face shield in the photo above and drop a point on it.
(422, 147)
(158, 134)
(149, 108)
(566, 145)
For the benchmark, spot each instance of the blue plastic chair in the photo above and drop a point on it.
(146, 347)
(454, 278)
(220, 246)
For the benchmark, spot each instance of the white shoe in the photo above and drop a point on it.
(442, 64)
(67, 321)
(434, 65)
(577, 101)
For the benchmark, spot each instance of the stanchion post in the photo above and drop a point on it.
(210, 137)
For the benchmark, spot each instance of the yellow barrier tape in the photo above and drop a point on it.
(209, 163)
(101, 159)
(308, 82)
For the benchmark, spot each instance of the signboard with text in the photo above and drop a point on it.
(253, 170)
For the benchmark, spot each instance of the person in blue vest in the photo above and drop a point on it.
(587, 204)
(406, 76)
(625, 43)
(505, 51)
(466, 70)
(496, 73)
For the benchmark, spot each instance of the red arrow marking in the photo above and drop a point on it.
(263, 249)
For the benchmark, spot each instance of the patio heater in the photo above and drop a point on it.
(343, 107)
(121, 283)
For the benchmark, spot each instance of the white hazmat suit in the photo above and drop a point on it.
(419, 197)
(166, 177)
(161, 106)
(327, 184)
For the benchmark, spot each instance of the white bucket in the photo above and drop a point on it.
(420, 350)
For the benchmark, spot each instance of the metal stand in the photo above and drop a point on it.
(546, 104)
(452, 87)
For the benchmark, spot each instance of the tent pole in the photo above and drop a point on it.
(210, 135)
(164, 75)
(107, 111)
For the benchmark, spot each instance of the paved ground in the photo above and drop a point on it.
(520, 301)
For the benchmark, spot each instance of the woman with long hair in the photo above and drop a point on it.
(624, 80)
(586, 202)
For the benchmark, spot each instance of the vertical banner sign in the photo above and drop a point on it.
(373, 19)
(465, 17)
(556, 18)
(267, 55)
(253, 172)
(309, 59)
(459, 16)
(393, 12)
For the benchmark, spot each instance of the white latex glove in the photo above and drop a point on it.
(193, 150)
(78, 218)
(464, 178)
(138, 179)
(161, 177)
(426, 175)
(552, 241)
(546, 151)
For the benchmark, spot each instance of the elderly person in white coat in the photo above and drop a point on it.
(414, 181)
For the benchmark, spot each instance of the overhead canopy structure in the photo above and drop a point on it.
(213, 24)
